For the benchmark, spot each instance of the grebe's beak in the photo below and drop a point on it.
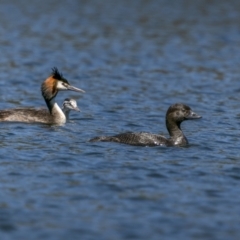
(72, 88)
(76, 109)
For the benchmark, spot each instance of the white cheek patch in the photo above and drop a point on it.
(73, 103)
(60, 86)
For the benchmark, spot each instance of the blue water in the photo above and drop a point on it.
(134, 59)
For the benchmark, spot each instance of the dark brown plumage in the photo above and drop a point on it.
(175, 115)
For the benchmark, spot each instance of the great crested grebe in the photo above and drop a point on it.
(68, 105)
(50, 87)
(176, 114)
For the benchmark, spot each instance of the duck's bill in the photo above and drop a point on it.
(192, 115)
(72, 88)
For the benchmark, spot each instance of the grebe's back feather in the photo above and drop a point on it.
(41, 115)
(31, 115)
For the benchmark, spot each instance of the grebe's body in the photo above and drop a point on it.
(39, 115)
(175, 115)
(50, 88)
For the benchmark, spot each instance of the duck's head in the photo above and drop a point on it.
(179, 112)
(70, 104)
(54, 83)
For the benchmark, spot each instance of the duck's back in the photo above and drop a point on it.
(137, 139)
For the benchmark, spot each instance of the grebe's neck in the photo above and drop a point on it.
(53, 108)
(50, 104)
(56, 111)
(66, 113)
(49, 92)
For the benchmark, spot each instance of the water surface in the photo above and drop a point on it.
(134, 59)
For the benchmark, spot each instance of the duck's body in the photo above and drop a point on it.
(176, 114)
(136, 139)
(55, 115)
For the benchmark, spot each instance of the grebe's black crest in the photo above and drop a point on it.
(57, 75)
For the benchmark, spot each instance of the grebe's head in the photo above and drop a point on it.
(56, 82)
(70, 104)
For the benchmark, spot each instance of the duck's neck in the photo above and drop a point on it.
(176, 135)
(173, 128)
